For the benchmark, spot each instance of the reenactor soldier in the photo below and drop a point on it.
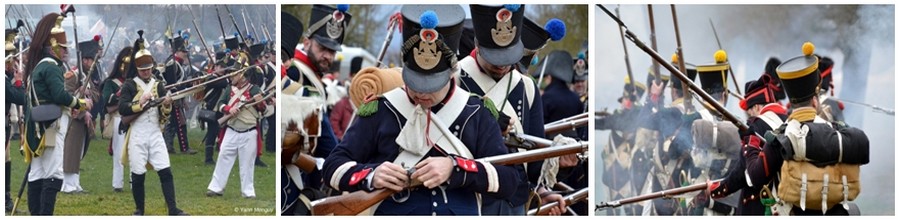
(490, 71)
(210, 101)
(666, 125)
(832, 148)
(402, 149)
(15, 95)
(303, 91)
(145, 96)
(715, 148)
(622, 124)
(46, 126)
(177, 69)
(82, 123)
(764, 114)
(262, 80)
(241, 136)
(559, 101)
(110, 96)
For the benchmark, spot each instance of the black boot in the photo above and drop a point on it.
(34, 196)
(137, 191)
(9, 201)
(168, 190)
(49, 191)
(209, 155)
(260, 163)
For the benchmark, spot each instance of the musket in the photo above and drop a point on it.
(246, 26)
(627, 61)
(387, 39)
(655, 195)
(706, 97)
(569, 125)
(199, 78)
(115, 29)
(70, 9)
(570, 199)
(358, 201)
(209, 53)
(221, 27)
(235, 24)
(21, 190)
(681, 65)
(267, 95)
(570, 118)
(731, 72)
(653, 43)
(874, 107)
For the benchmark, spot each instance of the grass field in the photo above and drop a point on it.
(191, 178)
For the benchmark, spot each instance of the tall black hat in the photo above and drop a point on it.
(291, 32)
(558, 64)
(691, 73)
(327, 25)
(90, 48)
(714, 77)
(257, 50)
(231, 42)
(178, 43)
(800, 75)
(430, 38)
(758, 92)
(497, 32)
(535, 37)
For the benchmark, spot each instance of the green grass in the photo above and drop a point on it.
(191, 178)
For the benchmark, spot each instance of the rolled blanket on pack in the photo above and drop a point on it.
(725, 134)
(827, 146)
(373, 81)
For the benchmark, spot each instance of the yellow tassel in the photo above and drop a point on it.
(720, 56)
(808, 48)
(674, 57)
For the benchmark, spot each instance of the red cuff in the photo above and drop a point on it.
(18, 83)
(754, 142)
(359, 176)
(466, 164)
(226, 109)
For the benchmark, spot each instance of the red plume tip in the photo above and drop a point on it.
(97, 37)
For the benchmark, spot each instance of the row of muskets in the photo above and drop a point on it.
(689, 88)
(199, 83)
(540, 149)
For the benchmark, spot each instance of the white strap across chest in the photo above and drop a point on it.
(498, 91)
(412, 149)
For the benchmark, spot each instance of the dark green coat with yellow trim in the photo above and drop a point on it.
(49, 88)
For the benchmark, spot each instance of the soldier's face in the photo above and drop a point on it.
(319, 55)
(427, 100)
(491, 69)
(87, 62)
(145, 74)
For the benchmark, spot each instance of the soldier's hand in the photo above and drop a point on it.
(145, 98)
(88, 104)
(433, 171)
(167, 100)
(233, 110)
(391, 176)
(570, 160)
(557, 210)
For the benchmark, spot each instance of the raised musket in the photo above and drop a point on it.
(358, 201)
(392, 24)
(653, 44)
(209, 53)
(706, 97)
(236, 27)
(655, 195)
(579, 196)
(688, 106)
(631, 78)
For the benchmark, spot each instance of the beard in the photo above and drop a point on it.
(314, 59)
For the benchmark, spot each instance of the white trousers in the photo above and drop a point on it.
(117, 141)
(71, 183)
(146, 146)
(50, 164)
(243, 147)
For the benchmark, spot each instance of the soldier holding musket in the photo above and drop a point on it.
(46, 125)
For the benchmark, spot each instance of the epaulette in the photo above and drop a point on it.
(488, 104)
(368, 108)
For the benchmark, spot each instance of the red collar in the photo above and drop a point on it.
(300, 55)
(775, 108)
(178, 59)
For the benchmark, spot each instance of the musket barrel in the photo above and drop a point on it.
(570, 199)
(564, 126)
(706, 97)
